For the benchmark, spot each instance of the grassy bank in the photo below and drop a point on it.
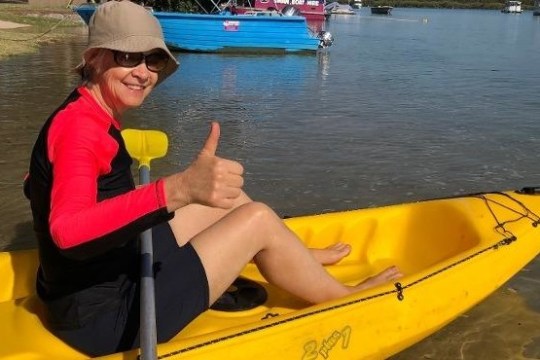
(44, 25)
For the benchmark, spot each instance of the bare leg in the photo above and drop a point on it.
(227, 240)
(254, 231)
(201, 217)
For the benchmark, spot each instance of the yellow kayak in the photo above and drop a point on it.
(454, 252)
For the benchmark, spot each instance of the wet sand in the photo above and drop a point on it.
(11, 25)
(19, 38)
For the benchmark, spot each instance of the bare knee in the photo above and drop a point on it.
(258, 213)
(260, 221)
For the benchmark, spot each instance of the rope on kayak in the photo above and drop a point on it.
(508, 239)
(400, 288)
(508, 236)
(527, 213)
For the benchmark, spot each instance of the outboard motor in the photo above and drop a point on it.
(290, 10)
(325, 39)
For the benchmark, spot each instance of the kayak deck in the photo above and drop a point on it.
(446, 248)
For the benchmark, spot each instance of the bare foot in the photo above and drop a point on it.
(331, 254)
(387, 275)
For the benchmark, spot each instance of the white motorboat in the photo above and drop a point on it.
(512, 6)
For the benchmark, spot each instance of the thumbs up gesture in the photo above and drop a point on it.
(211, 180)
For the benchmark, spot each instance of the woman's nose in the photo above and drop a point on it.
(141, 71)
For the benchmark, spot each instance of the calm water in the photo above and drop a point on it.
(425, 103)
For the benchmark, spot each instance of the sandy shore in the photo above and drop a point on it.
(11, 25)
(24, 29)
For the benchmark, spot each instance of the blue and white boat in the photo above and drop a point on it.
(225, 32)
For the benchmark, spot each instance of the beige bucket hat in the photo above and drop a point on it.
(126, 26)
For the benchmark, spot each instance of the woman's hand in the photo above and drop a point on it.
(209, 180)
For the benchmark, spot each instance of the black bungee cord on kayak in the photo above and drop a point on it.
(248, 295)
(508, 236)
(527, 213)
(508, 239)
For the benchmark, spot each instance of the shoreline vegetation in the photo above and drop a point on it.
(26, 28)
(186, 5)
(42, 25)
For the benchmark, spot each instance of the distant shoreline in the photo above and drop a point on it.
(472, 5)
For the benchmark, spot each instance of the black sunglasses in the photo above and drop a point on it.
(155, 61)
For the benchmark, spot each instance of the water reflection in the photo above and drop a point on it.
(316, 25)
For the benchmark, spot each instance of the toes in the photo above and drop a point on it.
(392, 273)
(340, 247)
(336, 246)
(345, 249)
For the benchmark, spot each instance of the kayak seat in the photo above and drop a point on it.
(243, 294)
(22, 321)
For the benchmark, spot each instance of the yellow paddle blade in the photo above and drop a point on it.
(145, 145)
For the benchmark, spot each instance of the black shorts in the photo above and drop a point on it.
(181, 289)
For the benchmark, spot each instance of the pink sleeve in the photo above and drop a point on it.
(80, 151)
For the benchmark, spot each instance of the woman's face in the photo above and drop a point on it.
(119, 88)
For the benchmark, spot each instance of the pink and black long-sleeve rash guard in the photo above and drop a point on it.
(87, 213)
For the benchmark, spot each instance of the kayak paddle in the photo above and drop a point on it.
(145, 145)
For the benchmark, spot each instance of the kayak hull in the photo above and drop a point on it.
(447, 249)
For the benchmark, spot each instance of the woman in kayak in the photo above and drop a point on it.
(88, 213)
